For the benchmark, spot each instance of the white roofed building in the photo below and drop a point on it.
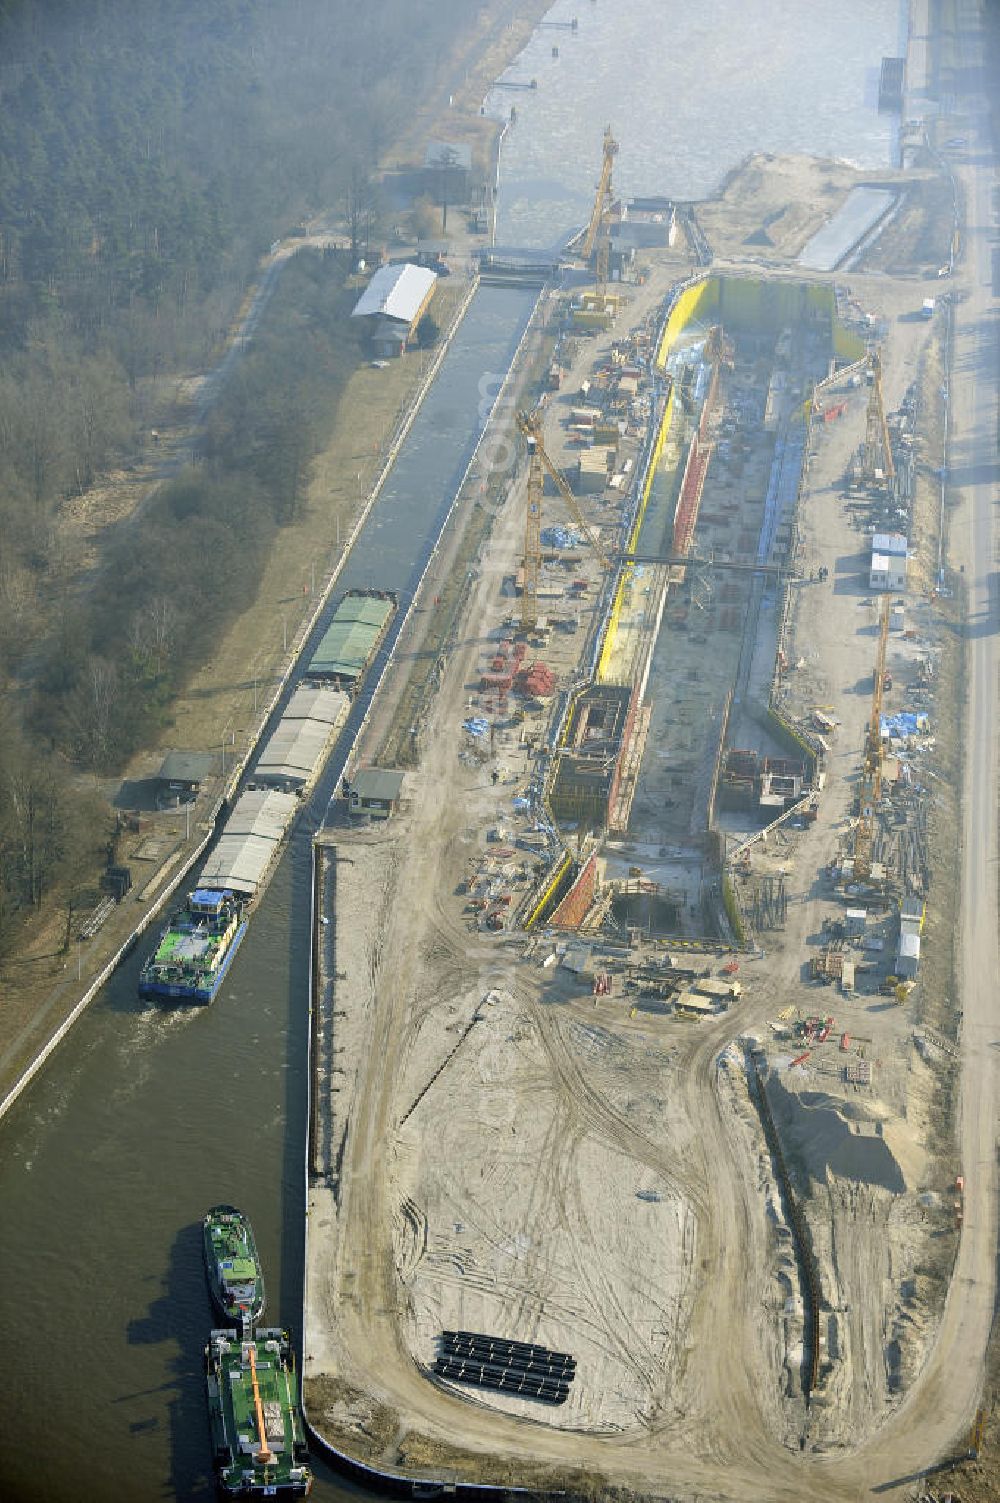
(395, 299)
(887, 569)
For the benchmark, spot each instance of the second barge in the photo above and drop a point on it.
(352, 639)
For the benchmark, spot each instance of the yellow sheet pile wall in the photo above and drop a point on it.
(607, 647)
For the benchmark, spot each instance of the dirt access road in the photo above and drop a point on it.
(725, 1446)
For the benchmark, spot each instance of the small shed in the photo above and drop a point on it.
(375, 791)
(912, 908)
(908, 958)
(854, 922)
(395, 300)
(887, 571)
(181, 773)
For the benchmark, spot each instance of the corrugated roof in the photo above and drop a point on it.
(396, 292)
(239, 862)
(262, 812)
(247, 846)
(377, 782)
(294, 752)
(315, 702)
(890, 542)
(351, 637)
(187, 767)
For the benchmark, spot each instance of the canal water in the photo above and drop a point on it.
(146, 1115)
(689, 91)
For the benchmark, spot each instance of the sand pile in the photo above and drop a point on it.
(828, 1135)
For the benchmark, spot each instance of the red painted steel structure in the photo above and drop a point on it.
(689, 500)
(575, 905)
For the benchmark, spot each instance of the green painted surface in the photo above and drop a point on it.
(229, 1387)
(351, 637)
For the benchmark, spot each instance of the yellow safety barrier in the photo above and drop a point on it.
(558, 872)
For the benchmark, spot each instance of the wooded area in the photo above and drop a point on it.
(149, 155)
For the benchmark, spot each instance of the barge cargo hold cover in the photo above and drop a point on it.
(251, 840)
(352, 639)
(298, 747)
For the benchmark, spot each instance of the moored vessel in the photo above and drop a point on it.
(196, 949)
(258, 1439)
(232, 1267)
(356, 631)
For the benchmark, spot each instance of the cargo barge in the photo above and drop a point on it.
(355, 634)
(258, 1440)
(196, 948)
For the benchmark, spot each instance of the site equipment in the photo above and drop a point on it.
(538, 464)
(877, 465)
(871, 772)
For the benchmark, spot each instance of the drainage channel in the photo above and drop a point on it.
(808, 1271)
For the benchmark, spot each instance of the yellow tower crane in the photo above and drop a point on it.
(877, 462)
(871, 772)
(539, 463)
(603, 198)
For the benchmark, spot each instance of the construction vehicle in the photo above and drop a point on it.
(871, 772)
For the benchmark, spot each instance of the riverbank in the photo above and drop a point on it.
(225, 704)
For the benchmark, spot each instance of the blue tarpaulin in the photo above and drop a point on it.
(561, 537)
(903, 723)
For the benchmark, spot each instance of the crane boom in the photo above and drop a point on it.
(532, 535)
(602, 199)
(531, 428)
(877, 445)
(871, 773)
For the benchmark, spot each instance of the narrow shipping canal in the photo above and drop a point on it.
(146, 1116)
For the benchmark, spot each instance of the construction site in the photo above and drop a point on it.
(660, 1064)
